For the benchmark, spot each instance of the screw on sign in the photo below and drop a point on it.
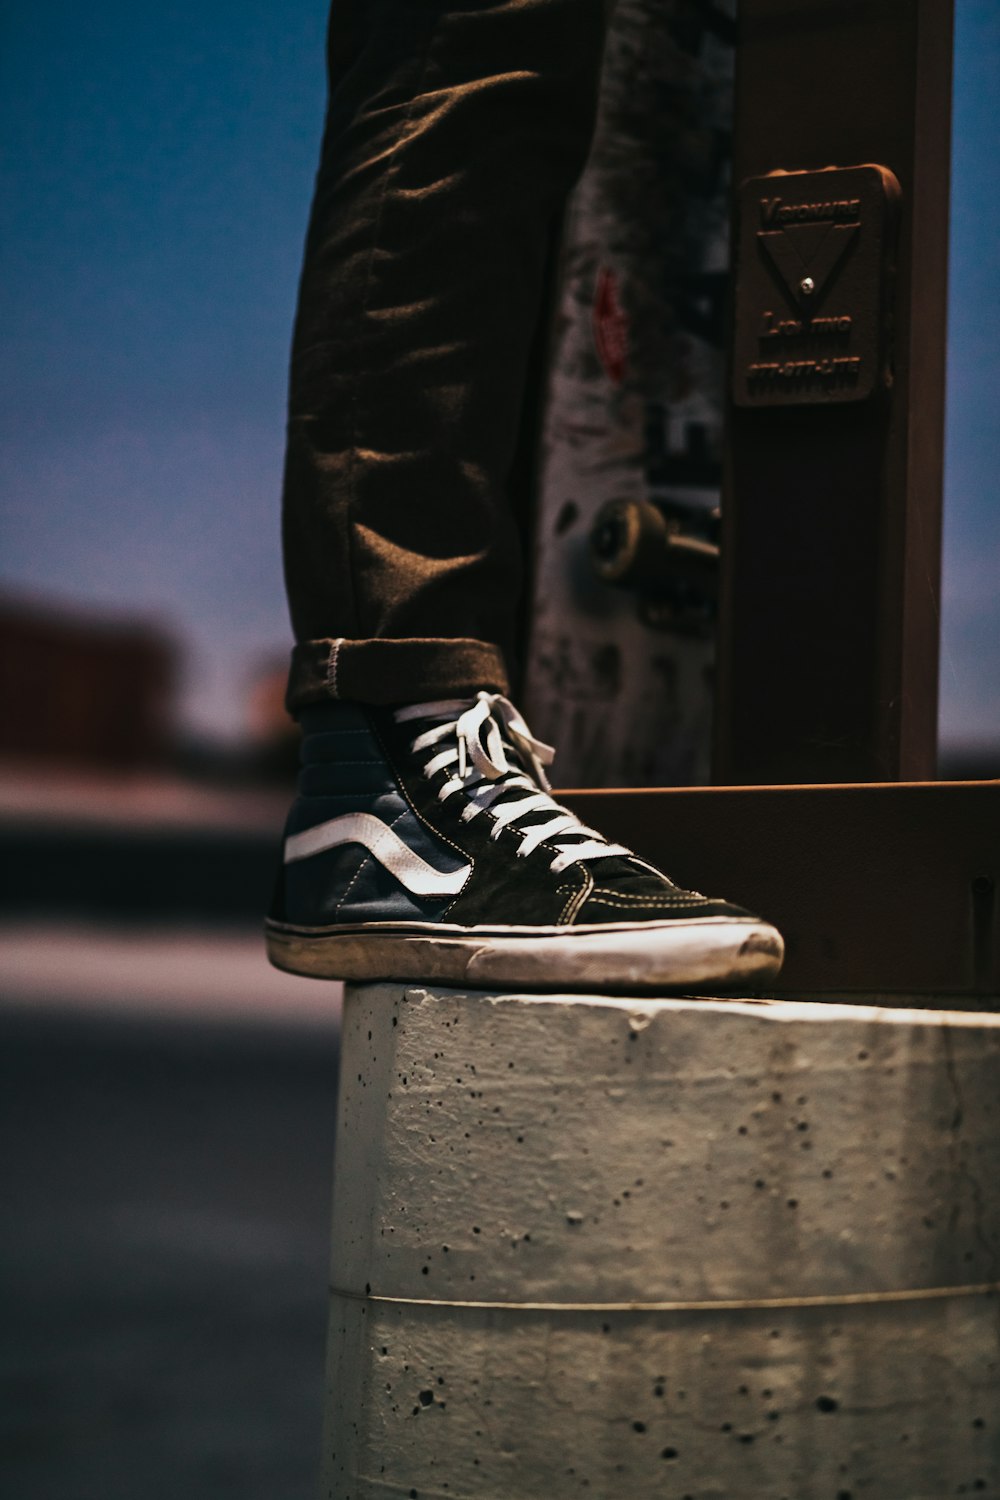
(610, 326)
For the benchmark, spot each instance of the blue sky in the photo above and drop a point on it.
(153, 194)
(970, 644)
(158, 168)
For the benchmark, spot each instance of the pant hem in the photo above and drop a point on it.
(381, 672)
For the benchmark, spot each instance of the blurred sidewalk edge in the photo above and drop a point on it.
(143, 895)
(156, 973)
(150, 849)
(137, 801)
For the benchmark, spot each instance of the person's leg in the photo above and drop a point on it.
(455, 131)
(423, 844)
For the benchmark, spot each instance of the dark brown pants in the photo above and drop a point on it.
(455, 130)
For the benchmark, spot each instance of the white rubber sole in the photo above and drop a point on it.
(716, 951)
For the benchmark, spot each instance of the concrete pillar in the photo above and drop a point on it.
(680, 1248)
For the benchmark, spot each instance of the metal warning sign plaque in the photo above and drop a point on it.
(812, 274)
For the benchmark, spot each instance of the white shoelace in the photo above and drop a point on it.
(479, 769)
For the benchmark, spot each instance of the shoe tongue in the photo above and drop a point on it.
(516, 761)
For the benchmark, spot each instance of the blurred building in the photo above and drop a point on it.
(78, 689)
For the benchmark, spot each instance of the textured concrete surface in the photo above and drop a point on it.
(532, 1192)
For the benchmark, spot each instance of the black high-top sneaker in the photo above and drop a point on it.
(424, 846)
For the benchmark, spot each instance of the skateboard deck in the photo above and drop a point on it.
(619, 673)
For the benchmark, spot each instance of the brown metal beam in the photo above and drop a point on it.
(829, 639)
(883, 889)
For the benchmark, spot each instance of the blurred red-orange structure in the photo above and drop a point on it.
(84, 690)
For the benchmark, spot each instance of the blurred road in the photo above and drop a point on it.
(165, 1190)
(167, 1106)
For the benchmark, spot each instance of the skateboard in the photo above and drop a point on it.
(619, 672)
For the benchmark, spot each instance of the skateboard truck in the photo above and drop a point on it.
(665, 553)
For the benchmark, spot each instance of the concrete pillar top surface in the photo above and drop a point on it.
(517, 1148)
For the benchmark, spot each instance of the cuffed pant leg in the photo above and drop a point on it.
(393, 671)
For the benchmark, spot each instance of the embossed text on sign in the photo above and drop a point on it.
(812, 286)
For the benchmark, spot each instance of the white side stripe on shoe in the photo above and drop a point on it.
(420, 878)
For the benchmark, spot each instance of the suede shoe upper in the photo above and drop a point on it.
(441, 813)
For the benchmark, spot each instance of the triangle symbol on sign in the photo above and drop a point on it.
(807, 238)
(814, 250)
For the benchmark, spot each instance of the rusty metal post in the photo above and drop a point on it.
(829, 639)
